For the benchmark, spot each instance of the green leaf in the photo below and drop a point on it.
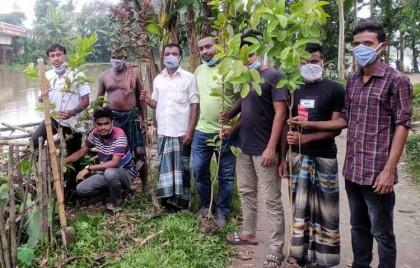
(4, 195)
(82, 217)
(272, 25)
(237, 68)
(243, 54)
(218, 47)
(281, 83)
(244, 90)
(280, 6)
(234, 151)
(257, 88)
(255, 75)
(285, 53)
(282, 19)
(25, 255)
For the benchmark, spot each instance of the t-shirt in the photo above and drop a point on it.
(257, 113)
(66, 99)
(319, 100)
(209, 81)
(116, 144)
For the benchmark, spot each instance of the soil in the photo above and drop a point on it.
(406, 220)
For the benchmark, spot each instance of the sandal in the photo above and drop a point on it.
(236, 239)
(277, 259)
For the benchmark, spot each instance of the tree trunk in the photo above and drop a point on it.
(401, 47)
(414, 49)
(340, 62)
(354, 62)
(192, 37)
(206, 25)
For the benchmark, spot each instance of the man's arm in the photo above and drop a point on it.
(334, 124)
(293, 136)
(145, 96)
(101, 87)
(195, 111)
(113, 163)
(77, 155)
(269, 154)
(225, 116)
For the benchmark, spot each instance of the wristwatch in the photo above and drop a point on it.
(87, 167)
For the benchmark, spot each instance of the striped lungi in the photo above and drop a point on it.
(174, 171)
(315, 230)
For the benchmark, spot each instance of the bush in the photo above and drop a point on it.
(412, 148)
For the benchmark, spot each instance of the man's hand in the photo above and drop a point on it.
(81, 175)
(294, 138)
(144, 95)
(225, 133)
(384, 183)
(66, 114)
(224, 117)
(283, 169)
(187, 139)
(300, 121)
(268, 157)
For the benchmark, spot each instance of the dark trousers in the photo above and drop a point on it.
(73, 143)
(371, 216)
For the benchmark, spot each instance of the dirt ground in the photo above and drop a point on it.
(406, 221)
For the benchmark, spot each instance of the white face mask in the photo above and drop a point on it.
(311, 73)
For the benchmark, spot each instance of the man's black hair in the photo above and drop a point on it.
(55, 47)
(173, 45)
(104, 112)
(315, 47)
(209, 36)
(371, 26)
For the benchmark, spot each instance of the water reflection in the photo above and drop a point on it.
(18, 95)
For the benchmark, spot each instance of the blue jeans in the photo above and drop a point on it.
(371, 216)
(201, 157)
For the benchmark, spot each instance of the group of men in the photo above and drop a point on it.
(375, 108)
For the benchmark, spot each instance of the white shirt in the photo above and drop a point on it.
(174, 96)
(66, 99)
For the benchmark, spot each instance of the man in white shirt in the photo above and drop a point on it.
(67, 103)
(176, 100)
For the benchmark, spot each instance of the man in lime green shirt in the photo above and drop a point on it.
(208, 126)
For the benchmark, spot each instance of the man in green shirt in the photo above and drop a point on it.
(208, 126)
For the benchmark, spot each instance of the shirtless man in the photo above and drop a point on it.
(122, 86)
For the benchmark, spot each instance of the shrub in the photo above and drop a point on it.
(412, 148)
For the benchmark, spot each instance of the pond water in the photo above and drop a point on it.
(18, 95)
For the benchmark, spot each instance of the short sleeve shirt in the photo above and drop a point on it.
(319, 101)
(257, 113)
(116, 144)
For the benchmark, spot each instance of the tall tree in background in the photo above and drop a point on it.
(54, 27)
(16, 18)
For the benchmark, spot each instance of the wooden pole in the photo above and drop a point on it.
(4, 244)
(51, 147)
(12, 208)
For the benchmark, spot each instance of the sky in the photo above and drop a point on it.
(27, 7)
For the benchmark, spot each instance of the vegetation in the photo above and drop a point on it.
(412, 148)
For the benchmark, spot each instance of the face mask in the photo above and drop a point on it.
(311, 72)
(59, 70)
(171, 62)
(117, 65)
(365, 55)
(255, 65)
(211, 62)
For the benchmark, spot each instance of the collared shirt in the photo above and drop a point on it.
(373, 111)
(114, 144)
(209, 81)
(66, 99)
(174, 96)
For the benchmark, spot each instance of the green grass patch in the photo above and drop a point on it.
(412, 148)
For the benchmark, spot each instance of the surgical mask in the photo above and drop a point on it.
(59, 70)
(171, 62)
(211, 62)
(255, 65)
(311, 72)
(117, 65)
(365, 55)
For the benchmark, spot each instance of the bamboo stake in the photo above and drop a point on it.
(2, 262)
(53, 158)
(4, 244)
(44, 193)
(12, 208)
(40, 178)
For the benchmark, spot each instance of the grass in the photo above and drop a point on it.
(119, 241)
(412, 148)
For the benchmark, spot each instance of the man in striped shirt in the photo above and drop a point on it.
(116, 169)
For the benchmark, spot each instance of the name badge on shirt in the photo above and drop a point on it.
(307, 103)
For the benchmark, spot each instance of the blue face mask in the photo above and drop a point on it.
(117, 65)
(365, 55)
(171, 62)
(211, 62)
(255, 65)
(59, 70)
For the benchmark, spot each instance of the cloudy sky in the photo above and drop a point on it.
(27, 7)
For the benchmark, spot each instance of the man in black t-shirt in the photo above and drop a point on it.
(261, 124)
(315, 177)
